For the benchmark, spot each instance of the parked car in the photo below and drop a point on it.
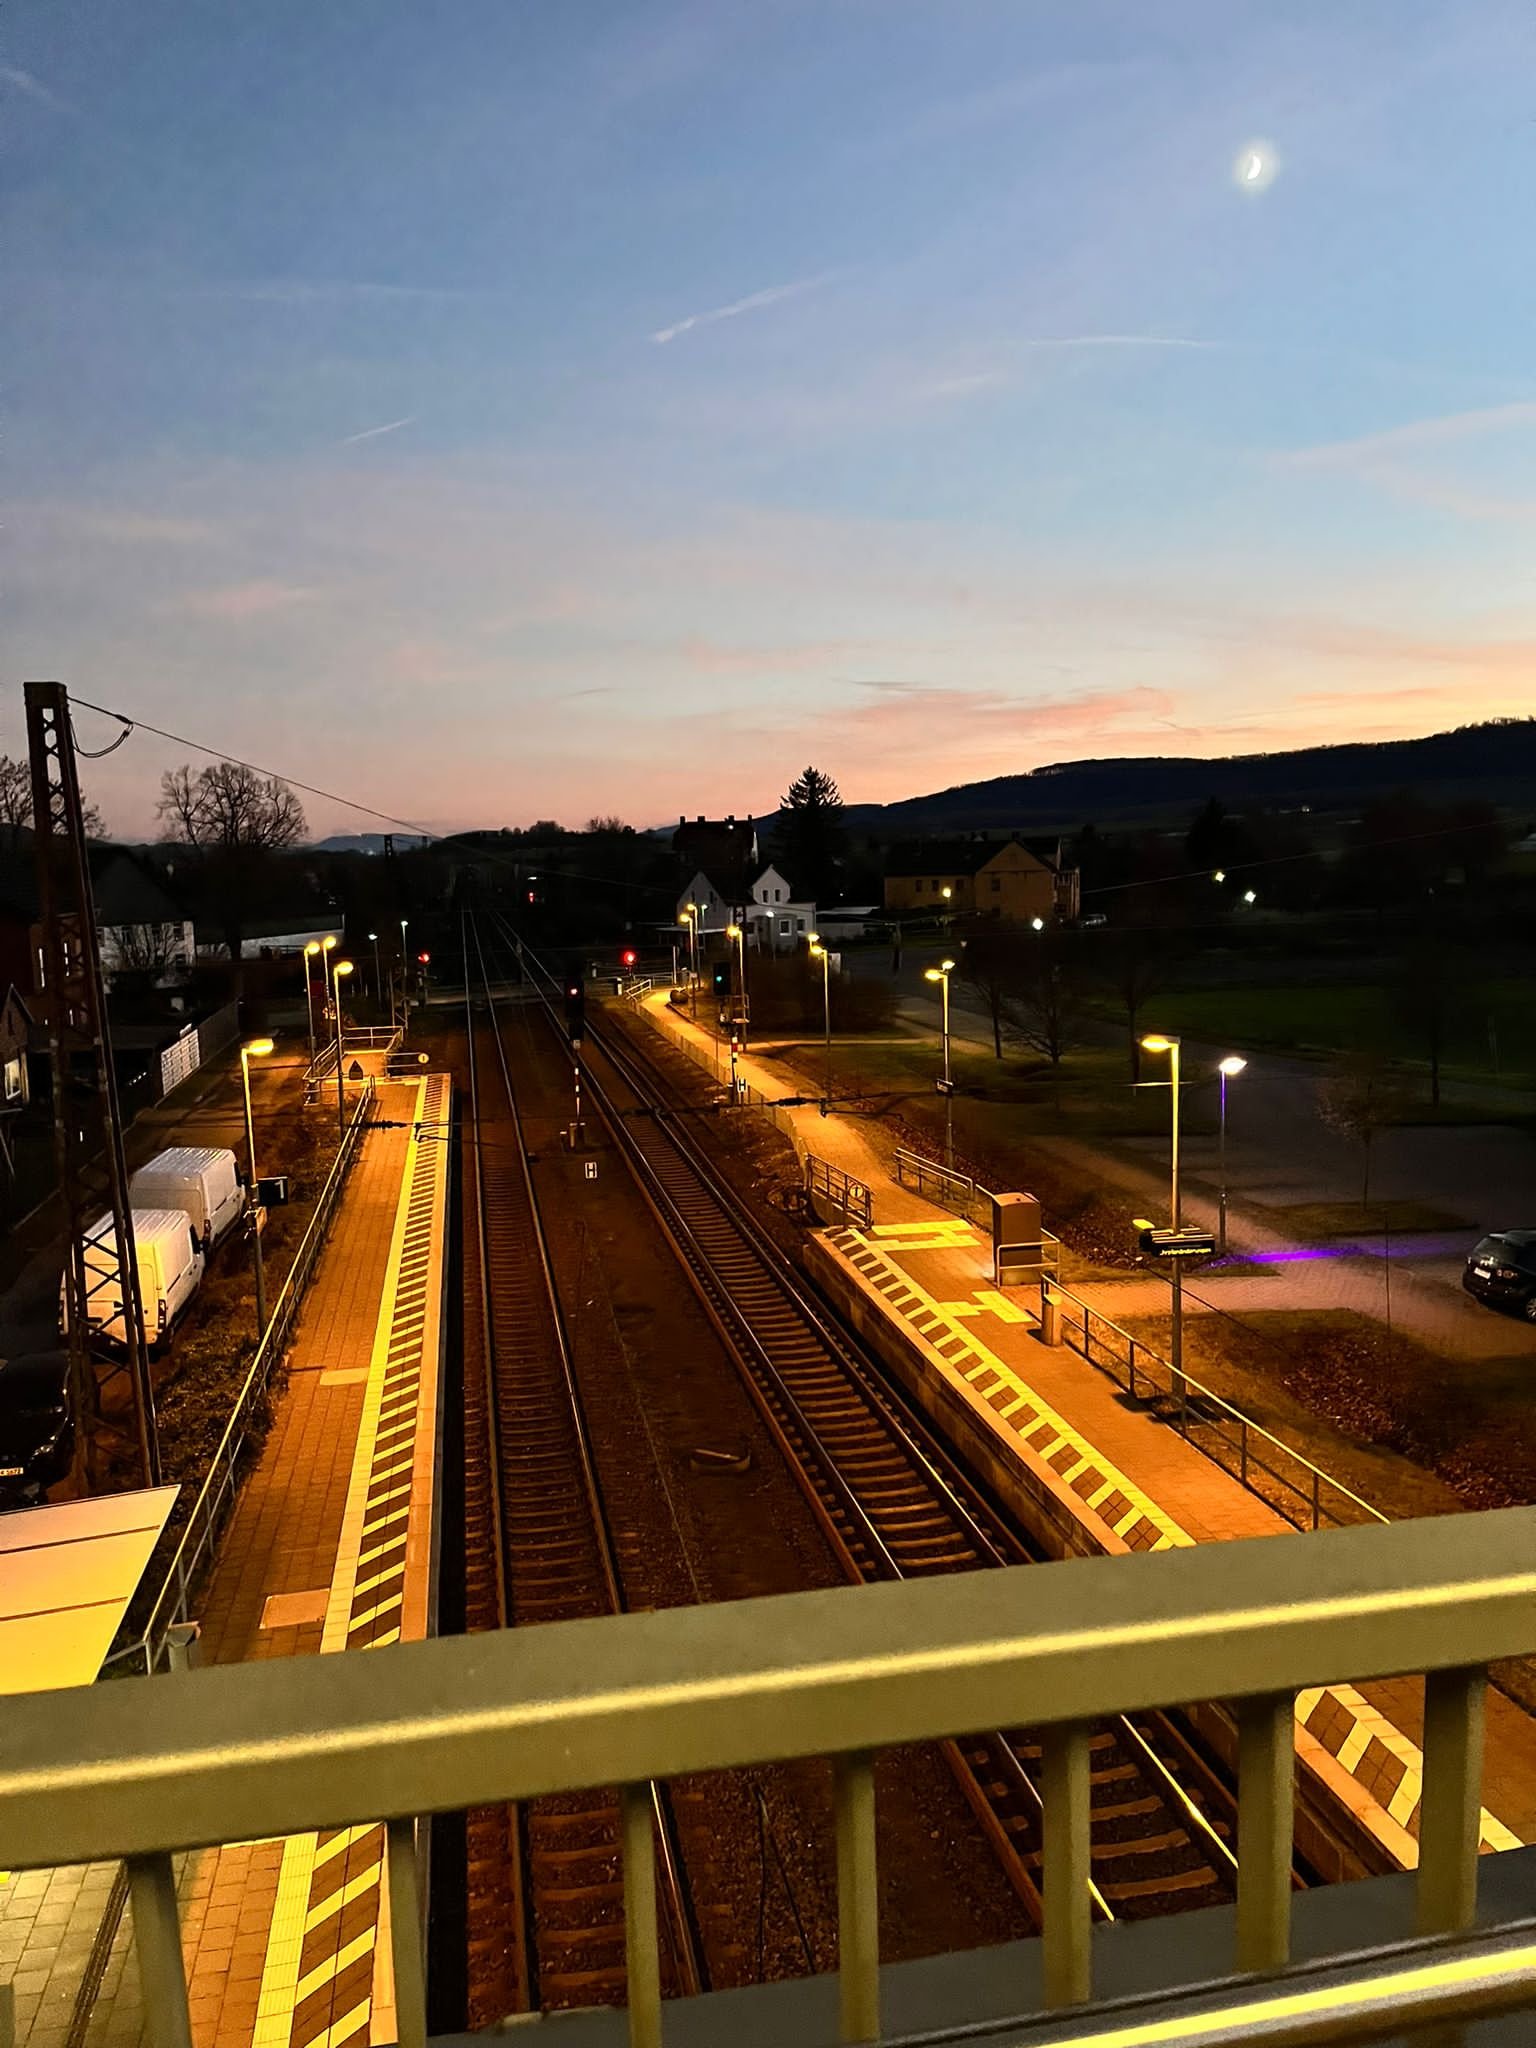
(201, 1179)
(1502, 1272)
(37, 1431)
(170, 1262)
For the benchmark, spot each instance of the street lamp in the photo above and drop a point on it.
(1232, 1064)
(819, 952)
(733, 933)
(378, 972)
(1157, 1042)
(941, 975)
(309, 994)
(258, 1048)
(327, 948)
(342, 967)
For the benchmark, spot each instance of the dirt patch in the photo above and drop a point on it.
(1304, 1220)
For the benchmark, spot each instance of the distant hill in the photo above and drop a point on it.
(368, 842)
(1495, 761)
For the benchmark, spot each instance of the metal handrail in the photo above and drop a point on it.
(850, 1195)
(1198, 1405)
(220, 1482)
(257, 1751)
(963, 1193)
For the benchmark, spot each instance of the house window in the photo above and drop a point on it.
(997, 883)
(917, 888)
(15, 1080)
(786, 926)
(778, 895)
(800, 924)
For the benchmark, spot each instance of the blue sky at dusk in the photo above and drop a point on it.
(506, 411)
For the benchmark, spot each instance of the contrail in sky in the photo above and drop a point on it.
(750, 304)
(373, 433)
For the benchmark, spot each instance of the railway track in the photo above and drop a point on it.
(894, 1503)
(537, 1513)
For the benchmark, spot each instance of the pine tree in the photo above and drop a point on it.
(810, 836)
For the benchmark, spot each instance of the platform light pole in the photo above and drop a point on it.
(941, 975)
(819, 952)
(378, 972)
(327, 948)
(1232, 1064)
(405, 981)
(1158, 1042)
(255, 1049)
(309, 994)
(342, 967)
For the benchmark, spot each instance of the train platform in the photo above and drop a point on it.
(331, 1548)
(1130, 1481)
(1123, 1477)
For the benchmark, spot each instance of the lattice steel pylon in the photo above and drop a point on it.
(87, 1129)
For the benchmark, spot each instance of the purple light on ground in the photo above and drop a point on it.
(1290, 1255)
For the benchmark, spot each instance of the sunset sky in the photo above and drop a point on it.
(501, 411)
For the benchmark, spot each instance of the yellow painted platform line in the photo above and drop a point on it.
(998, 1304)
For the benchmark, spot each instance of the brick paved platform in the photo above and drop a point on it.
(1145, 1487)
(330, 1548)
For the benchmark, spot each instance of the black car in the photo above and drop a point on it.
(37, 1435)
(1502, 1272)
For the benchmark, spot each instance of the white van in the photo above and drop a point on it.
(199, 1179)
(170, 1262)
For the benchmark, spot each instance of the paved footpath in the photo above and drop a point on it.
(329, 1549)
(1150, 1487)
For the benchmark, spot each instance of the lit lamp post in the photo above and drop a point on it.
(258, 1048)
(941, 975)
(738, 1004)
(693, 957)
(1157, 1042)
(309, 994)
(327, 948)
(342, 967)
(819, 952)
(378, 972)
(946, 892)
(1226, 1068)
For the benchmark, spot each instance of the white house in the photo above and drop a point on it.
(774, 920)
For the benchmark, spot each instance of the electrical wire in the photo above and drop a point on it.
(131, 725)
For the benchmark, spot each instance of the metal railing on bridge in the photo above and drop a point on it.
(373, 1039)
(151, 1767)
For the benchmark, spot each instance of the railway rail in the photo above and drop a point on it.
(537, 1512)
(893, 1503)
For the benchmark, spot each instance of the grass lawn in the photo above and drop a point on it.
(1329, 1019)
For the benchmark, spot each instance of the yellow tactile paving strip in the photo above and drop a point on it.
(1333, 1722)
(326, 1982)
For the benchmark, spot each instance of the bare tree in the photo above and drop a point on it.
(16, 804)
(1356, 1100)
(990, 964)
(234, 821)
(1045, 1002)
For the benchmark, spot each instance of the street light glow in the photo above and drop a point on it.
(1037, 924)
(330, 942)
(1220, 875)
(312, 948)
(946, 967)
(733, 931)
(257, 1048)
(1232, 1064)
(1249, 896)
(342, 967)
(932, 974)
(1157, 1042)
